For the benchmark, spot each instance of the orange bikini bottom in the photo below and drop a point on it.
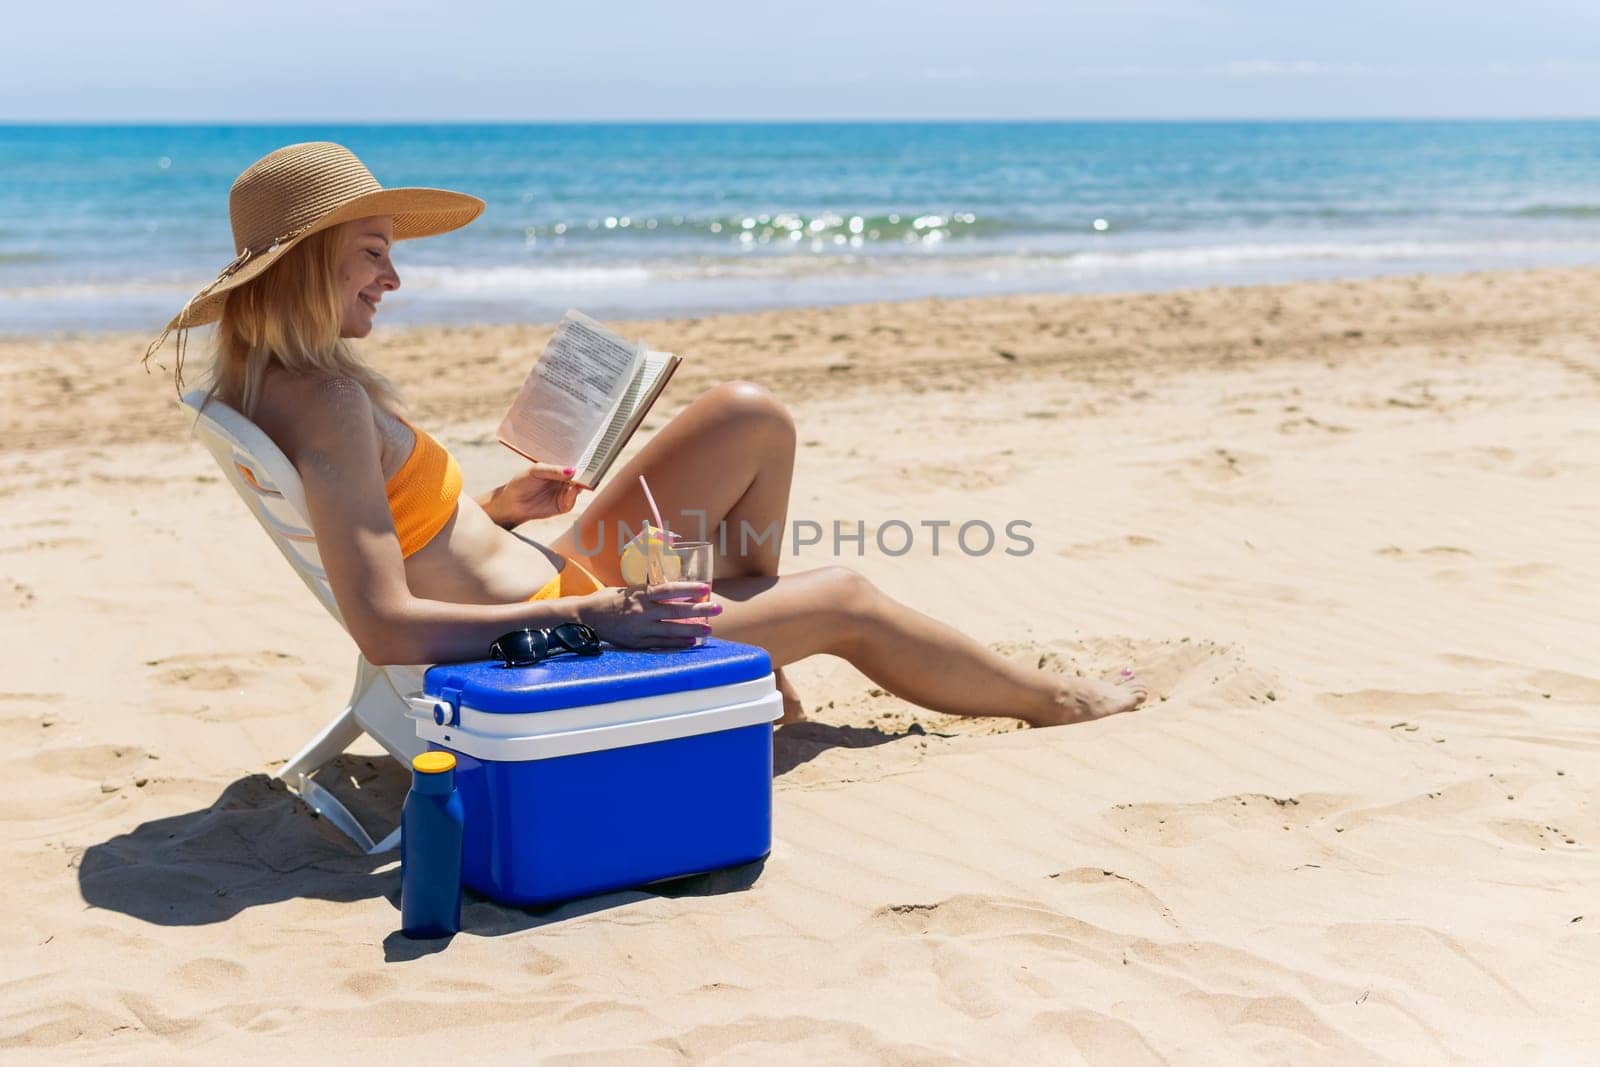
(574, 579)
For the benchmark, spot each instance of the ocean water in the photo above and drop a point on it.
(113, 227)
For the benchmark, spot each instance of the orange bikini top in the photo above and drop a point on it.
(423, 492)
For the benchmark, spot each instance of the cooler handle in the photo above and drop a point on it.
(444, 709)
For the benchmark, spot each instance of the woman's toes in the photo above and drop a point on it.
(1137, 692)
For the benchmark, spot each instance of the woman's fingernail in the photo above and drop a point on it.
(569, 471)
(705, 590)
(716, 609)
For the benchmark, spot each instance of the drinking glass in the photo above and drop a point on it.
(693, 561)
(683, 561)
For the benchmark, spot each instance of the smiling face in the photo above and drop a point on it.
(365, 272)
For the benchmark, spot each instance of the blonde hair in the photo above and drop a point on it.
(289, 317)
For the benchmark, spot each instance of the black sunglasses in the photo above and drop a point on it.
(524, 648)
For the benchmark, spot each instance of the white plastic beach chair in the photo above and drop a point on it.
(270, 487)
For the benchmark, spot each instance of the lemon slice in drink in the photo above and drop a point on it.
(635, 559)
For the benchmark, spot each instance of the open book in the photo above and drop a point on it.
(584, 398)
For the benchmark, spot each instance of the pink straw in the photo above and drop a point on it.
(653, 551)
(654, 511)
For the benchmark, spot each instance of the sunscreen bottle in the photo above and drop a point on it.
(430, 849)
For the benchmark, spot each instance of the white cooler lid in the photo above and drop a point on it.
(447, 720)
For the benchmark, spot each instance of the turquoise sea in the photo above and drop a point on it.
(112, 227)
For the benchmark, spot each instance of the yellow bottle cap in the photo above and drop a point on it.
(434, 763)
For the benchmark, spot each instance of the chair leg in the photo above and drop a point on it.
(334, 739)
(328, 806)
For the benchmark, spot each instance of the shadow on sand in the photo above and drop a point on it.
(259, 844)
(803, 742)
(484, 918)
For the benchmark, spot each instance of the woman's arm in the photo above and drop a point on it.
(490, 503)
(539, 492)
(333, 442)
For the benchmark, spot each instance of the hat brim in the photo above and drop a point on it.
(416, 212)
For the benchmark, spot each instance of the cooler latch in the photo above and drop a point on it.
(444, 709)
(447, 706)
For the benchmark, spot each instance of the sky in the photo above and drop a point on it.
(501, 60)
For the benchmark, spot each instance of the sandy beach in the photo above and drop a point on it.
(1346, 530)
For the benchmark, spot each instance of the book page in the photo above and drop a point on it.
(642, 390)
(606, 440)
(572, 392)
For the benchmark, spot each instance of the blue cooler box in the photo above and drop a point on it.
(583, 775)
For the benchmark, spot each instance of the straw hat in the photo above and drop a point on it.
(288, 195)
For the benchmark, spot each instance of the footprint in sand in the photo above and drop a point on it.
(1213, 470)
(208, 679)
(1494, 458)
(214, 673)
(1564, 685)
(46, 545)
(90, 761)
(1436, 551)
(1224, 464)
(1519, 573)
(1179, 825)
(16, 596)
(982, 473)
(25, 718)
(1510, 710)
(996, 917)
(1507, 679)
(1109, 546)
(369, 986)
(1307, 424)
(1234, 587)
(12, 697)
(74, 771)
(208, 974)
(1531, 834)
(1088, 886)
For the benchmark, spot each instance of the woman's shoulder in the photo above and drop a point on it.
(298, 410)
(334, 394)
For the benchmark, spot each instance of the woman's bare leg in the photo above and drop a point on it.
(729, 457)
(726, 458)
(837, 611)
(724, 462)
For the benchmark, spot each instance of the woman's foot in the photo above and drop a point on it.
(793, 710)
(1082, 699)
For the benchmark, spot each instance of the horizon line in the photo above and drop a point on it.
(6, 122)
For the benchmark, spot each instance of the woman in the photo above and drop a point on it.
(424, 574)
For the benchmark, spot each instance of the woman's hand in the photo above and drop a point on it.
(537, 493)
(648, 618)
